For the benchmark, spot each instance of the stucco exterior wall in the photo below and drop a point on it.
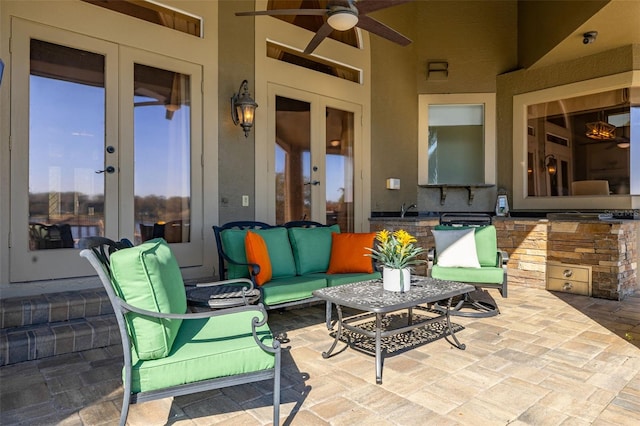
(523, 81)
(479, 41)
(236, 154)
(394, 120)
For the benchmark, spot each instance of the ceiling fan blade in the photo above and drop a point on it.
(322, 33)
(275, 12)
(366, 6)
(380, 29)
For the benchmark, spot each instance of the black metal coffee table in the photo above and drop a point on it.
(369, 296)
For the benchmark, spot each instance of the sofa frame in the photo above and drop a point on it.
(224, 260)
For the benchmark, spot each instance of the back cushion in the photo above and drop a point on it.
(456, 248)
(486, 242)
(148, 277)
(312, 248)
(258, 253)
(487, 245)
(233, 246)
(279, 248)
(349, 253)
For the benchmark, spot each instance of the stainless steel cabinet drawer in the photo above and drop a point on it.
(569, 286)
(569, 278)
(565, 271)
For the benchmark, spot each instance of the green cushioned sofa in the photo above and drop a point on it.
(168, 351)
(299, 253)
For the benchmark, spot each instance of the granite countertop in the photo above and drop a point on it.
(537, 216)
(403, 219)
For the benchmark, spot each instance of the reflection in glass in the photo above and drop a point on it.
(162, 136)
(66, 145)
(589, 136)
(339, 166)
(456, 144)
(293, 160)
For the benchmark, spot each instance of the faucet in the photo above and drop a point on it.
(404, 210)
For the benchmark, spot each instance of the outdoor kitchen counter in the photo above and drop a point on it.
(610, 247)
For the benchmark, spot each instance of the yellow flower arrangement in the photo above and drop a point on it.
(396, 249)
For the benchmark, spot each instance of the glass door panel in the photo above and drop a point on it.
(339, 164)
(162, 155)
(66, 145)
(161, 158)
(293, 160)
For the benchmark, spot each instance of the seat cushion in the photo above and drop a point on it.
(204, 349)
(290, 289)
(339, 279)
(484, 275)
(148, 277)
(312, 248)
(256, 250)
(349, 253)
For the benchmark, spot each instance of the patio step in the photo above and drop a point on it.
(35, 327)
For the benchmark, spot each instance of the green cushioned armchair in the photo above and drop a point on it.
(491, 271)
(167, 351)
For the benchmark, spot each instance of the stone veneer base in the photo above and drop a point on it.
(611, 248)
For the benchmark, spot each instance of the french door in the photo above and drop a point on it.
(315, 139)
(106, 141)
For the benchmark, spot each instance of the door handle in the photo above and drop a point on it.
(109, 169)
(315, 182)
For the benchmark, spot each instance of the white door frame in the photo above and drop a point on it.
(27, 265)
(318, 105)
(270, 71)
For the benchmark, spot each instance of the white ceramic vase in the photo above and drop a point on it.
(396, 279)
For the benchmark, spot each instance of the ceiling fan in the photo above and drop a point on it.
(342, 15)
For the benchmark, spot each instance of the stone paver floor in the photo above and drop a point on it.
(547, 359)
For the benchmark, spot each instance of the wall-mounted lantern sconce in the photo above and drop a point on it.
(551, 164)
(243, 108)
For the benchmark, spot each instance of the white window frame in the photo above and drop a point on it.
(486, 99)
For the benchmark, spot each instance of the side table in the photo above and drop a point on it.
(221, 296)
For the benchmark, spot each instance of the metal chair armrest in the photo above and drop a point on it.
(503, 258)
(125, 307)
(431, 257)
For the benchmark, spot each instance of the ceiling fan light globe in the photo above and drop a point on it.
(623, 145)
(343, 20)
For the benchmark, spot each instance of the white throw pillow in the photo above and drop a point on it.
(456, 248)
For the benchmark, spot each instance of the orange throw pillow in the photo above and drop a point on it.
(348, 253)
(256, 250)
